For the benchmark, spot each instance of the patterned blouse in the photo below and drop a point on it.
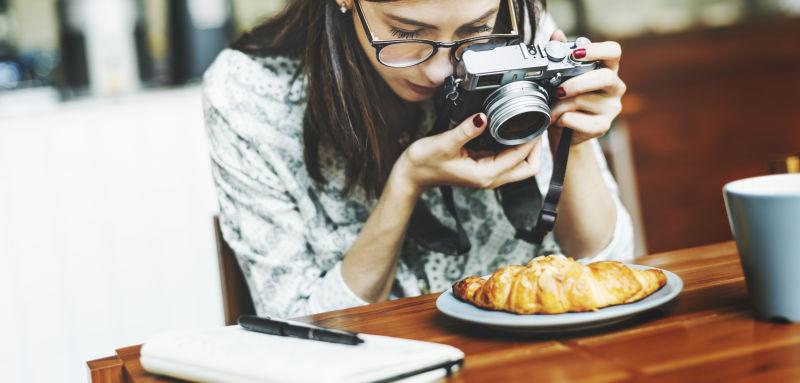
(290, 233)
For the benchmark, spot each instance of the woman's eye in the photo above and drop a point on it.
(469, 31)
(403, 34)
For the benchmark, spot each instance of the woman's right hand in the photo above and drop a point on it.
(442, 160)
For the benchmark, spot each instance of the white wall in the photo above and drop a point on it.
(105, 231)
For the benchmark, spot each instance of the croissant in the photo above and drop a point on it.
(556, 284)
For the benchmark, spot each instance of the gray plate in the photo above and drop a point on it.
(448, 304)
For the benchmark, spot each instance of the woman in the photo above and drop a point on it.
(321, 150)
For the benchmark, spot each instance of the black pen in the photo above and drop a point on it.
(297, 330)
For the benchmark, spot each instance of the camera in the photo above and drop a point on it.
(513, 85)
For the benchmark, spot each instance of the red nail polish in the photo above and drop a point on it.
(477, 121)
(560, 92)
(579, 53)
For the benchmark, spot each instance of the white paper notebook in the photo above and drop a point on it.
(232, 354)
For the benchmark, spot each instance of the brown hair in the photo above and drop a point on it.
(349, 106)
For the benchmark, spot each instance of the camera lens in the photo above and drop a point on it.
(517, 112)
(520, 126)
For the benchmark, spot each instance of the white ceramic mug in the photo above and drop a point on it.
(764, 214)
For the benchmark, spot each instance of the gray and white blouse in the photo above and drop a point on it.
(290, 233)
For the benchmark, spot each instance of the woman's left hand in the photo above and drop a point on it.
(589, 103)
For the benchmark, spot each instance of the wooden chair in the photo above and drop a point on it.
(236, 298)
(787, 164)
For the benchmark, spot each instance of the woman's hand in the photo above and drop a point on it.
(589, 103)
(443, 160)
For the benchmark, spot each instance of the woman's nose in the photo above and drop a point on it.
(438, 67)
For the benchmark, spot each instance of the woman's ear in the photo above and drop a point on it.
(344, 5)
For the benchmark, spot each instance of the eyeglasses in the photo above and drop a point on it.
(402, 53)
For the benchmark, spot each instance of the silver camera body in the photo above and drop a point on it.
(514, 85)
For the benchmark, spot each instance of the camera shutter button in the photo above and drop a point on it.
(556, 51)
(582, 42)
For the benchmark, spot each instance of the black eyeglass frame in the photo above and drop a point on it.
(379, 45)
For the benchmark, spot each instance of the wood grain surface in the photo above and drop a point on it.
(707, 334)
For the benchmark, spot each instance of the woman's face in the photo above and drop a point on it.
(437, 20)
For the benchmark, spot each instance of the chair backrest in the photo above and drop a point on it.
(236, 299)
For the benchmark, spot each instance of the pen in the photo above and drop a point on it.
(271, 326)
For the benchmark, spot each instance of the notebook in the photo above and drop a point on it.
(232, 354)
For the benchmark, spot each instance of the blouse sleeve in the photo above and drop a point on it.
(259, 217)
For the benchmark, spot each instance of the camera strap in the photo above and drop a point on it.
(425, 229)
(521, 200)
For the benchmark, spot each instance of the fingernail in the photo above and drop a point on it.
(579, 53)
(560, 92)
(477, 121)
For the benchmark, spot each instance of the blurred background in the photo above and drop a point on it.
(106, 199)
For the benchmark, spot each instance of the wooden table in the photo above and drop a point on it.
(707, 334)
